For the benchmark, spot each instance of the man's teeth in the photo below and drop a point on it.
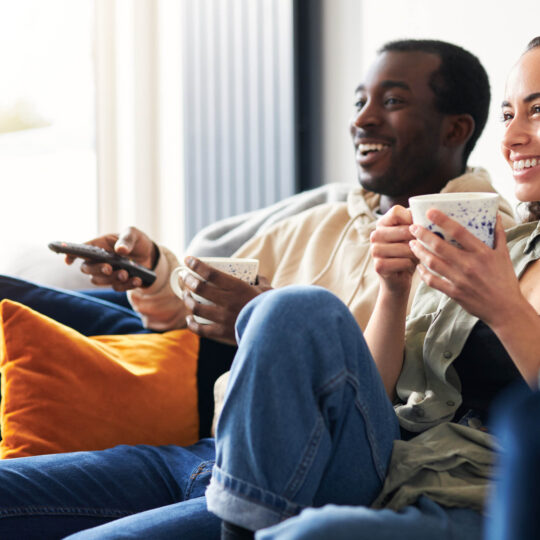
(372, 147)
(524, 164)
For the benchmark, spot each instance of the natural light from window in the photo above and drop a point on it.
(47, 121)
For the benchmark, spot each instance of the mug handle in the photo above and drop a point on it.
(173, 280)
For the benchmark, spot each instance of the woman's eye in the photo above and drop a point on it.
(506, 117)
(535, 109)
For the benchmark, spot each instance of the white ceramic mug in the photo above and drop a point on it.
(244, 269)
(476, 211)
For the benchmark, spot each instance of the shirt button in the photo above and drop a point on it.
(447, 354)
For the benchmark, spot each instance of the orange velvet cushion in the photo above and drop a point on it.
(62, 391)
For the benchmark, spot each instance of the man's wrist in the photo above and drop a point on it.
(155, 256)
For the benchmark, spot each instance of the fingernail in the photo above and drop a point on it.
(413, 228)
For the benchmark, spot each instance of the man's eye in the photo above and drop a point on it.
(506, 117)
(535, 109)
(359, 104)
(392, 101)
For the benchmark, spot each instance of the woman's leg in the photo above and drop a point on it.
(91, 316)
(426, 520)
(306, 419)
(188, 520)
(49, 497)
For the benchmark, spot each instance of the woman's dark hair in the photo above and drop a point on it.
(533, 208)
(460, 85)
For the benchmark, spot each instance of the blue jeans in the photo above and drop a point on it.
(514, 509)
(307, 422)
(142, 488)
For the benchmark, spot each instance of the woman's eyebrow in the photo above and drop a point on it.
(528, 99)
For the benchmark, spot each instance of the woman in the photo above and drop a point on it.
(515, 505)
(462, 347)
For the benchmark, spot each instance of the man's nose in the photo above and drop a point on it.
(368, 115)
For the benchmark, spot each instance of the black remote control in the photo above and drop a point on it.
(93, 253)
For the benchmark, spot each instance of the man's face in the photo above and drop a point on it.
(396, 129)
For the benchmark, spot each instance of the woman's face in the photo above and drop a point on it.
(521, 117)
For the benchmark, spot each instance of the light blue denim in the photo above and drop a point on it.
(424, 521)
(306, 419)
(307, 423)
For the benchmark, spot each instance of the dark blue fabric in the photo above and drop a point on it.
(89, 313)
(119, 298)
(514, 507)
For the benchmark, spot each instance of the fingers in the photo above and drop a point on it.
(500, 235)
(103, 274)
(126, 241)
(454, 230)
(397, 215)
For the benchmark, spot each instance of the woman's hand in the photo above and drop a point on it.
(393, 258)
(229, 294)
(482, 280)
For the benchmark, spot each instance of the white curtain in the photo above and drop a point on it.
(139, 143)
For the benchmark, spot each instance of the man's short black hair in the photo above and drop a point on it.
(460, 85)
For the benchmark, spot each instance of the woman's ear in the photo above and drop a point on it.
(459, 128)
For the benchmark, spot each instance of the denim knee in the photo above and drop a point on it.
(294, 318)
(294, 301)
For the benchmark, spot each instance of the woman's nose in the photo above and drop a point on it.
(517, 133)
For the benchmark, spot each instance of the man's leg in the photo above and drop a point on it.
(424, 521)
(89, 315)
(49, 497)
(306, 419)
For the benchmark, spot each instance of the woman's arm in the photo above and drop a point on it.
(395, 264)
(483, 281)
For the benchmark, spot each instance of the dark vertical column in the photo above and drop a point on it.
(308, 97)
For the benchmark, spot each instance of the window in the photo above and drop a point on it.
(47, 121)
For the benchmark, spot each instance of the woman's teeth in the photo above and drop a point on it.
(524, 164)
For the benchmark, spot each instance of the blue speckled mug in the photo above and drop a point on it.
(477, 212)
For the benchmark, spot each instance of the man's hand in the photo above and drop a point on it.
(229, 294)
(131, 243)
(393, 258)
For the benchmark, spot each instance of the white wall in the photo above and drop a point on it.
(496, 32)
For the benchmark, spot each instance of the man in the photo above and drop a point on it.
(415, 124)
(419, 112)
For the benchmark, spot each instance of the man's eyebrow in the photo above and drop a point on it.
(528, 99)
(386, 84)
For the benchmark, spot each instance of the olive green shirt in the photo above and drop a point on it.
(450, 463)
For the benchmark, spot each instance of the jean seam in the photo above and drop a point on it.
(379, 468)
(307, 459)
(203, 468)
(348, 377)
(54, 510)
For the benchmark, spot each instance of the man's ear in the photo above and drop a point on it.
(458, 129)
